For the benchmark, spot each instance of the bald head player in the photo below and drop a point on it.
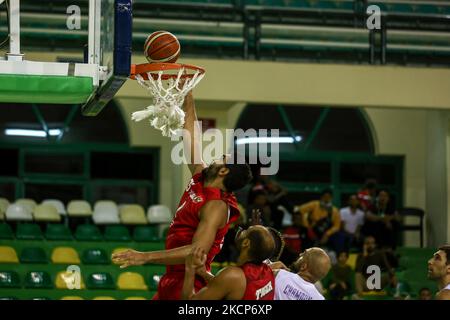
(311, 266)
(250, 279)
(205, 212)
(439, 270)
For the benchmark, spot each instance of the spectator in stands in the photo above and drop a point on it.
(340, 284)
(439, 270)
(371, 256)
(352, 219)
(367, 194)
(322, 221)
(295, 240)
(383, 222)
(425, 294)
(400, 290)
(277, 197)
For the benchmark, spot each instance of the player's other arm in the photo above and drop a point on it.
(230, 283)
(213, 215)
(191, 136)
(443, 295)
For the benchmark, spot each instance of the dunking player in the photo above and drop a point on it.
(251, 279)
(204, 214)
(439, 270)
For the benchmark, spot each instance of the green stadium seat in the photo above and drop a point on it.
(145, 233)
(28, 231)
(9, 279)
(100, 280)
(5, 231)
(33, 255)
(38, 280)
(95, 256)
(117, 233)
(88, 232)
(58, 232)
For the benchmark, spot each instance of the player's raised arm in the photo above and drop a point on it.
(213, 216)
(192, 136)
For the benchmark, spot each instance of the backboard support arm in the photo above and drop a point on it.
(14, 53)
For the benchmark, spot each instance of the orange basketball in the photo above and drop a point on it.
(162, 46)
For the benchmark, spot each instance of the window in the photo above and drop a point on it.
(10, 162)
(320, 129)
(8, 191)
(305, 171)
(385, 174)
(53, 190)
(65, 123)
(54, 163)
(114, 165)
(123, 194)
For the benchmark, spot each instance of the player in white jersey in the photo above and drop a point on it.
(439, 270)
(311, 266)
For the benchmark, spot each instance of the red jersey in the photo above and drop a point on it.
(187, 218)
(365, 200)
(260, 282)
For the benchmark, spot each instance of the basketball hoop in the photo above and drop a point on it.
(169, 83)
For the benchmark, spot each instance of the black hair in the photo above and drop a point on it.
(279, 244)
(260, 248)
(238, 176)
(446, 249)
(423, 289)
(343, 251)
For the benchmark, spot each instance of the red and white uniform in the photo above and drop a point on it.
(260, 282)
(182, 230)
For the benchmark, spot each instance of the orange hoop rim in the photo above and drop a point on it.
(154, 67)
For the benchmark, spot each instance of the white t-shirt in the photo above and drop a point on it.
(352, 220)
(290, 286)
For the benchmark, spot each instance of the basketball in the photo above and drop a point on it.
(162, 46)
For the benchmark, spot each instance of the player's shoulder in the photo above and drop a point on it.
(281, 273)
(231, 273)
(443, 295)
(216, 204)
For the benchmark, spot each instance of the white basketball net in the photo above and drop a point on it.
(166, 113)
